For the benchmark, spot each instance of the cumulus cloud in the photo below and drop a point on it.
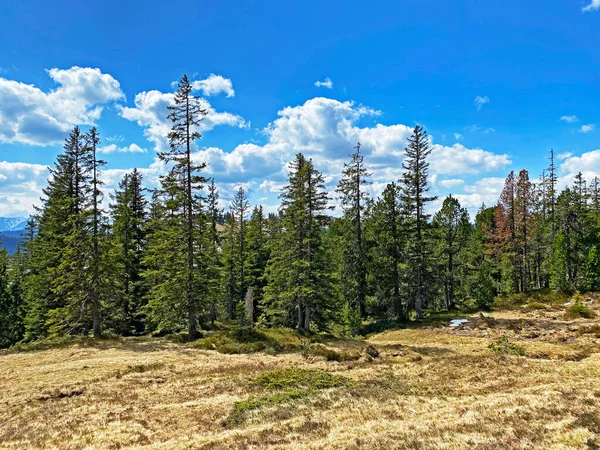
(480, 101)
(570, 119)
(151, 111)
(461, 160)
(587, 128)
(21, 185)
(589, 161)
(131, 148)
(29, 115)
(327, 83)
(593, 6)
(451, 183)
(458, 136)
(213, 85)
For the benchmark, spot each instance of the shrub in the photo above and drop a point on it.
(503, 346)
(300, 379)
(238, 414)
(536, 306)
(578, 309)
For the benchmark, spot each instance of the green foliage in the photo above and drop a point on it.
(299, 286)
(578, 309)
(296, 378)
(240, 409)
(503, 346)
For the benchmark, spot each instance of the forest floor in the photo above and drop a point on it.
(426, 386)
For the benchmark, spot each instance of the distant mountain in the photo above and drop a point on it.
(10, 241)
(11, 229)
(12, 223)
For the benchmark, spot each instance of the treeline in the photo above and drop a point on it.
(170, 260)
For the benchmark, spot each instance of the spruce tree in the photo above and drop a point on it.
(257, 256)
(353, 199)
(385, 228)
(453, 231)
(299, 274)
(239, 211)
(414, 184)
(185, 115)
(129, 221)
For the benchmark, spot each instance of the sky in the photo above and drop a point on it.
(496, 84)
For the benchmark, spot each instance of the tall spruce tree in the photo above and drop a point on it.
(129, 220)
(239, 211)
(453, 232)
(415, 186)
(385, 229)
(353, 200)
(298, 273)
(185, 115)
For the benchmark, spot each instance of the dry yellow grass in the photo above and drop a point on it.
(429, 388)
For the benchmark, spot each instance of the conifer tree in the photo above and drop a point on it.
(385, 227)
(239, 211)
(415, 186)
(453, 230)
(185, 115)
(353, 199)
(129, 220)
(11, 312)
(257, 256)
(298, 273)
(524, 199)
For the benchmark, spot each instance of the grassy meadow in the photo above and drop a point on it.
(524, 376)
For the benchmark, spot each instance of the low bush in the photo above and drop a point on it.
(579, 309)
(503, 346)
(297, 378)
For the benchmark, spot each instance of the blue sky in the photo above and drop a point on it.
(496, 84)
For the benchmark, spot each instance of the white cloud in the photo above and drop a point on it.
(451, 183)
(564, 155)
(570, 119)
(489, 130)
(112, 148)
(480, 101)
(593, 6)
(213, 85)
(21, 186)
(458, 136)
(461, 160)
(323, 129)
(587, 128)
(327, 83)
(30, 116)
(151, 111)
(589, 161)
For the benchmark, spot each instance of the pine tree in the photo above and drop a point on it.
(385, 229)
(454, 230)
(353, 199)
(559, 265)
(213, 252)
(257, 256)
(523, 204)
(11, 311)
(239, 211)
(129, 220)
(415, 186)
(298, 273)
(95, 290)
(186, 114)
